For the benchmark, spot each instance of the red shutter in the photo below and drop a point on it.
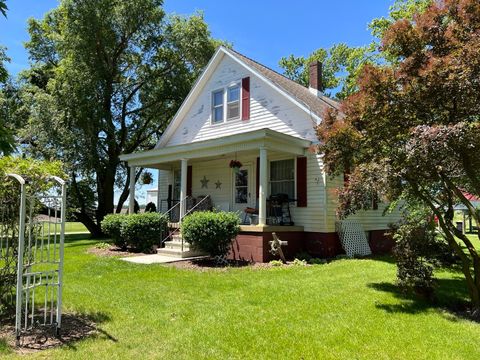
(302, 182)
(246, 98)
(257, 179)
(189, 181)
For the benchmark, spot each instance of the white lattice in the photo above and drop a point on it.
(353, 239)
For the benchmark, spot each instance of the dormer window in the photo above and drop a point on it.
(226, 104)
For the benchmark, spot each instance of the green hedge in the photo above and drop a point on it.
(139, 231)
(111, 226)
(211, 232)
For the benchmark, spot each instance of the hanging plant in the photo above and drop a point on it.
(235, 164)
(147, 178)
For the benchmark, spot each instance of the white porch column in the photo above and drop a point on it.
(262, 188)
(183, 188)
(131, 199)
(158, 191)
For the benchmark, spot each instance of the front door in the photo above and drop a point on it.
(242, 188)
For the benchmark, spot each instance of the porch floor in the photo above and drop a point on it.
(270, 228)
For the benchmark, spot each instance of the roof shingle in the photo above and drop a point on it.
(317, 104)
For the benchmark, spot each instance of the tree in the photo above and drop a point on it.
(412, 130)
(342, 64)
(106, 78)
(6, 135)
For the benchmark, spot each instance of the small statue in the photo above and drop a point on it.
(276, 247)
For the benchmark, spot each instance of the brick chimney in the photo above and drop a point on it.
(316, 86)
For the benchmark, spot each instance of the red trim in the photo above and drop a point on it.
(246, 98)
(189, 181)
(301, 181)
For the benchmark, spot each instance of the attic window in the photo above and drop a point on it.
(217, 107)
(226, 104)
(233, 102)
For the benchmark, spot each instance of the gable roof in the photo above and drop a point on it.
(317, 104)
(300, 95)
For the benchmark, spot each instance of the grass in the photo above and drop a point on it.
(75, 227)
(348, 309)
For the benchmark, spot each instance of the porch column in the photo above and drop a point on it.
(183, 188)
(159, 200)
(262, 188)
(131, 198)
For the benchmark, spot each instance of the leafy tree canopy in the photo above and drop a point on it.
(342, 64)
(106, 78)
(412, 130)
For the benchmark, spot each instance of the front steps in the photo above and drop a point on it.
(173, 248)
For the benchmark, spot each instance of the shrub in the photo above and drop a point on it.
(112, 226)
(150, 207)
(143, 231)
(317, 261)
(276, 263)
(298, 262)
(211, 232)
(303, 255)
(417, 251)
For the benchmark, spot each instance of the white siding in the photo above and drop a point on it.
(268, 109)
(370, 219)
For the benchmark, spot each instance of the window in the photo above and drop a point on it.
(217, 106)
(233, 102)
(226, 103)
(282, 177)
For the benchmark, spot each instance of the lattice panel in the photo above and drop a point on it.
(353, 239)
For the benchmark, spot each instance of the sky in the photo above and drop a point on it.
(264, 30)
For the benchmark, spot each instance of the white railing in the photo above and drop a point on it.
(173, 230)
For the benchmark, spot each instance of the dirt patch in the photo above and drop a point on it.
(74, 328)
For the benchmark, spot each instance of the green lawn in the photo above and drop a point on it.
(348, 309)
(75, 227)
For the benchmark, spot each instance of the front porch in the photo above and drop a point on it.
(198, 176)
(187, 174)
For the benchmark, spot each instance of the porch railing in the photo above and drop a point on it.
(174, 227)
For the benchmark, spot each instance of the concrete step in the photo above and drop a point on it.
(179, 253)
(176, 237)
(177, 245)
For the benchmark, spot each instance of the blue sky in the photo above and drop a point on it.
(264, 30)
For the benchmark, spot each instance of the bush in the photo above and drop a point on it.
(139, 231)
(143, 231)
(150, 207)
(211, 232)
(417, 251)
(112, 226)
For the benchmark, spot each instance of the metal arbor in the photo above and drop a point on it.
(38, 236)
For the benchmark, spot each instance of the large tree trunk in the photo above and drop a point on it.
(105, 191)
(94, 229)
(126, 189)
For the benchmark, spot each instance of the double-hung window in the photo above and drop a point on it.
(226, 104)
(233, 102)
(217, 107)
(282, 177)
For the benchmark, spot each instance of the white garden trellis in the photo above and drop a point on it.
(39, 241)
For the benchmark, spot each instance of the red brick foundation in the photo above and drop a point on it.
(381, 242)
(254, 246)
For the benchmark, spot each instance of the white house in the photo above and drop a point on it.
(243, 111)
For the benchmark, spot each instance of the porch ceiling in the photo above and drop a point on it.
(253, 140)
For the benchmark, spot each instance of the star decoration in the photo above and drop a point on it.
(204, 182)
(218, 185)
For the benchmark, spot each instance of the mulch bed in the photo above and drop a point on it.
(207, 264)
(74, 328)
(112, 251)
